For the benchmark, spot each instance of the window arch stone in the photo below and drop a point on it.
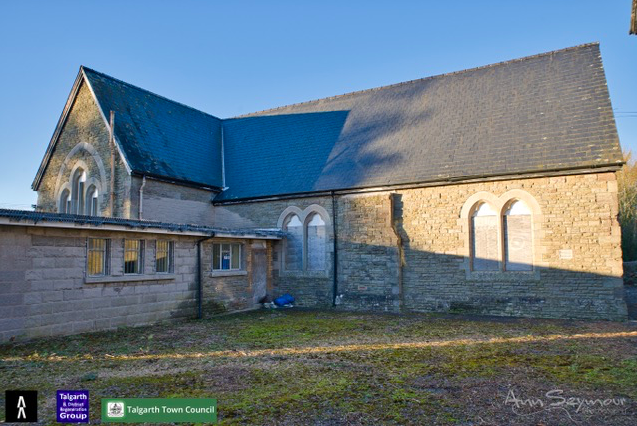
(63, 177)
(518, 236)
(293, 258)
(316, 240)
(315, 237)
(64, 201)
(500, 205)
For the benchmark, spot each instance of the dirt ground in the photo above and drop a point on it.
(305, 367)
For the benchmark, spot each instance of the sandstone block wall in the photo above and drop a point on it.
(577, 253)
(227, 291)
(85, 125)
(310, 288)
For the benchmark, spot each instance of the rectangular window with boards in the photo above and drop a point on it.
(226, 256)
(164, 250)
(133, 256)
(98, 257)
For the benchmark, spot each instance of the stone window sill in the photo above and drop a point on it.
(128, 278)
(222, 273)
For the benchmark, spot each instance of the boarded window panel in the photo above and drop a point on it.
(294, 244)
(484, 239)
(216, 256)
(163, 256)
(316, 237)
(132, 256)
(97, 253)
(236, 256)
(518, 238)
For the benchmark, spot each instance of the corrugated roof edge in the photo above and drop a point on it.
(148, 91)
(18, 217)
(418, 80)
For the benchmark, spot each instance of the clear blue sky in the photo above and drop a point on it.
(233, 57)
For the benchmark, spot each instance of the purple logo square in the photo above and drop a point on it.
(72, 406)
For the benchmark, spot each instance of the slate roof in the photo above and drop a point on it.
(543, 113)
(537, 114)
(160, 137)
(20, 216)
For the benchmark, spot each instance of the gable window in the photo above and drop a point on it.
(65, 202)
(294, 243)
(77, 191)
(484, 239)
(98, 257)
(316, 238)
(91, 201)
(164, 256)
(518, 237)
(226, 256)
(133, 250)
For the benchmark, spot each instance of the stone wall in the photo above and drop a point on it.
(576, 250)
(45, 291)
(84, 141)
(310, 288)
(226, 291)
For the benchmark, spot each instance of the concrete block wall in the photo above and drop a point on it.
(44, 291)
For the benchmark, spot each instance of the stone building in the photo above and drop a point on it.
(490, 191)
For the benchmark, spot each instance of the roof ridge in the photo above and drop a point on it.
(85, 68)
(357, 92)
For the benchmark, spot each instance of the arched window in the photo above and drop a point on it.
(77, 191)
(316, 238)
(484, 238)
(91, 201)
(65, 202)
(294, 243)
(518, 237)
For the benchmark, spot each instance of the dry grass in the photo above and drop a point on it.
(333, 368)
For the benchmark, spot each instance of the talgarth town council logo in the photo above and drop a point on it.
(115, 409)
(21, 406)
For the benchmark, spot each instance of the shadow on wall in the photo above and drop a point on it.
(371, 278)
(437, 282)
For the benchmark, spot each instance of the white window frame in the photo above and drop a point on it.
(220, 247)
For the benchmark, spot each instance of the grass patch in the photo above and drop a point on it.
(324, 367)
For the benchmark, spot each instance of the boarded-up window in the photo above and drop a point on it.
(518, 238)
(133, 250)
(294, 243)
(484, 239)
(316, 243)
(98, 256)
(164, 256)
